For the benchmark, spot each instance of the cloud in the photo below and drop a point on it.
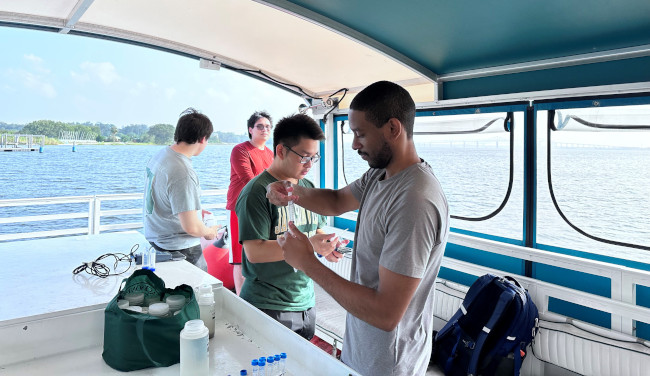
(37, 63)
(35, 82)
(104, 72)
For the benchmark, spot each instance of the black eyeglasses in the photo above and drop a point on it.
(304, 159)
(262, 127)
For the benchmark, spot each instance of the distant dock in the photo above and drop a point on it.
(21, 142)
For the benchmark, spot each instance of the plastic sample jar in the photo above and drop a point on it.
(135, 298)
(194, 352)
(123, 303)
(159, 309)
(176, 302)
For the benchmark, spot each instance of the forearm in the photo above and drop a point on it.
(258, 251)
(327, 202)
(194, 227)
(362, 302)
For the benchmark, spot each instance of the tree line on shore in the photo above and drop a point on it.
(160, 134)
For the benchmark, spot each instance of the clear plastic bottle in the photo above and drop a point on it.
(207, 311)
(254, 366)
(152, 258)
(145, 254)
(194, 352)
(283, 363)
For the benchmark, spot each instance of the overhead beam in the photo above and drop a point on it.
(590, 58)
(79, 9)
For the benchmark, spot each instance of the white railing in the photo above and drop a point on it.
(94, 213)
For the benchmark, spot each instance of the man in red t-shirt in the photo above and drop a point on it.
(247, 160)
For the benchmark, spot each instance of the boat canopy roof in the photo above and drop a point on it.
(437, 49)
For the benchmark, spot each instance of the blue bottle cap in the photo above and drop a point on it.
(254, 362)
(243, 372)
(262, 358)
(262, 362)
(283, 355)
(269, 359)
(277, 357)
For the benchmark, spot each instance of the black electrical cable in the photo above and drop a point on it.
(551, 125)
(343, 153)
(100, 270)
(509, 126)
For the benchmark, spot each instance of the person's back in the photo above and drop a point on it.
(169, 176)
(172, 199)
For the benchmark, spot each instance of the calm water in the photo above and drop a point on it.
(605, 192)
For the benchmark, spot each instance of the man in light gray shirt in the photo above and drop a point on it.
(172, 199)
(401, 234)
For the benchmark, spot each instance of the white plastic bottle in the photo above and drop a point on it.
(207, 311)
(152, 258)
(195, 359)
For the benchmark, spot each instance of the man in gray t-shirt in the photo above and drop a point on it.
(401, 234)
(172, 199)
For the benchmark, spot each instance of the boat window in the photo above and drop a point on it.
(594, 179)
(470, 155)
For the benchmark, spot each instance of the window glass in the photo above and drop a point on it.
(470, 156)
(600, 174)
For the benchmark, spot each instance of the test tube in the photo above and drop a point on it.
(283, 362)
(270, 367)
(291, 210)
(254, 364)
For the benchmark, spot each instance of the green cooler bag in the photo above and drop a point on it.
(135, 340)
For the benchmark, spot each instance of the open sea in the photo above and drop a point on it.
(603, 191)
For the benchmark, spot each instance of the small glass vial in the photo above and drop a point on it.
(262, 364)
(254, 365)
(195, 360)
(270, 367)
(283, 362)
(276, 364)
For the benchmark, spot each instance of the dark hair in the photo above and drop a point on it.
(291, 129)
(192, 127)
(257, 115)
(384, 100)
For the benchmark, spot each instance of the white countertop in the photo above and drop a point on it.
(53, 321)
(36, 275)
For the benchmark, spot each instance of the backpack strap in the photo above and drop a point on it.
(471, 295)
(505, 297)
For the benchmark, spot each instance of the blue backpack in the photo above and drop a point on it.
(489, 333)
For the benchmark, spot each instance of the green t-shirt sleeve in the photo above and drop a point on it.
(254, 212)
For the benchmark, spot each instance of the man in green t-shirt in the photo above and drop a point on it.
(272, 285)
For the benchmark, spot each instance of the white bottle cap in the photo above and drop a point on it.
(205, 289)
(159, 309)
(175, 302)
(122, 303)
(134, 308)
(135, 298)
(194, 329)
(206, 298)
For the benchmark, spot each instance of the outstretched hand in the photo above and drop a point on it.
(278, 193)
(296, 247)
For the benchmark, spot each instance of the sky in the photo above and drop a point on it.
(69, 78)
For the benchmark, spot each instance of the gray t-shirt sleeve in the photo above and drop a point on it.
(357, 186)
(184, 194)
